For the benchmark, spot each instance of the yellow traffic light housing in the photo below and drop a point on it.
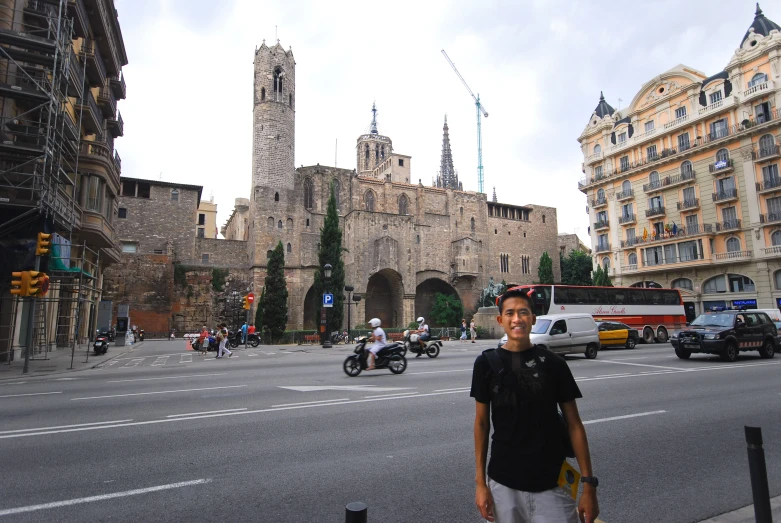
(245, 303)
(34, 283)
(44, 244)
(19, 283)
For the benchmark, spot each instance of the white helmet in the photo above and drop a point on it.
(375, 322)
(421, 319)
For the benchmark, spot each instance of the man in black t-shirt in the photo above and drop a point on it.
(528, 447)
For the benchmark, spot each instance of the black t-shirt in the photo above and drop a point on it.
(531, 459)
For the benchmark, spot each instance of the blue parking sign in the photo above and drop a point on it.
(328, 300)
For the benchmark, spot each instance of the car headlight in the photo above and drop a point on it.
(710, 336)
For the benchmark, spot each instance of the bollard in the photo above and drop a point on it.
(356, 512)
(758, 472)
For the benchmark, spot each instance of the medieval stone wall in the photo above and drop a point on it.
(221, 253)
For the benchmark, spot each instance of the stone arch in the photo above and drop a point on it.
(310, 309)
(424, 298)
(384, 298)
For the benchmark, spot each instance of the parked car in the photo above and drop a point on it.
(617, 334)
(727, 333)
(566, 334)
(775, 317)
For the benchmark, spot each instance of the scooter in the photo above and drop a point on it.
(211, 342)
(412, 344)
(141, 335)
(390, 357)
(101, 344)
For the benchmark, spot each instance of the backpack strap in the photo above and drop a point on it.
(497, 367)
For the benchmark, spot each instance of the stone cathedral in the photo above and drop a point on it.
(405, 241)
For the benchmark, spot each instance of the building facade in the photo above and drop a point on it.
(683, 185)
(207, 219)
(571, 242)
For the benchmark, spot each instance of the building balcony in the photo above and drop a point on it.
(625, 195)
(666, 182)
(116, 126)
(117, 84)
(618, 146)
(601, 225)
(687, 258)
(719, 106)
(602, 247)
(725, 196)
(729, 225)
(688, 205)
(91, 115)
(96, 151)
(107, 101)
(96, 230)
(643, 136)
(675, 123)
(598, 202)
(627, 219)
(75, 75)
(103, 21)
(96, 69)
(78, 13)
(655, 211)
(758, 90)
(770, 251)
(735, 255)
(629, 268)
(769, 185)
(771, 217)
(724, 166)
(764, 154)
(678, 235)
(596, 157)
(630, 242)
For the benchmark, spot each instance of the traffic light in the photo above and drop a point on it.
(245, 303)
(19, 283)
(35, 283)
(44, 243)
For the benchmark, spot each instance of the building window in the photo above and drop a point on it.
(95, 194)
(276, 196)
(622, 138)
(649, 126)
(689, 196)
(770, 175)
(683, 142)
(777, 278)
(278, 82)
(289, 224)
(767, 144)
(715, 97)
(122, 213)
(655, 202)
(757, 79)
(403, 204)
(290, 100)
(651, 153)
(682, 283)
(201, 232)
(262, 94)
(775, 238)
(504, 263)
(762, 112)
(279, 224)
(680, 112)
(624, 163)
(401, 162)
(309, 193)
(654, 256)
(143, 190)
(130, 247)
(740, 283)
(157, 251)
(730, 216)
(307, 222)
(653, 179)
(632, 258)
(289, 248)
(543, 218)
(174, 195)
(606, 264)
(733, 245)
(722, 155)
(201, 218)
(601, 195)
(417, 238)
(689, 250)
(692, 224)
(598, 172)
(630, 235)
(718, 129)
(128, 188)
(686, 167)
(627, 210)
(715, 285)
(597, 149)
(205, 258)
(472, 224)
(368, 201)
(337, 188)
(268, 254)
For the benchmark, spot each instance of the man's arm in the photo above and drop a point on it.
(483, 498)
(588, 508)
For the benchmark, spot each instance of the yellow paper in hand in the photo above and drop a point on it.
(569, 479)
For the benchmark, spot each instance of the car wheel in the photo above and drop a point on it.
(730, 352)
(631, 343)
(683, 353)
(648, 335)
(591, 351)
(768, 350)
(661, 335)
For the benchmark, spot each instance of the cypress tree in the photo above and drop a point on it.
(545, 270)
(330, 251)
(275, 289)
(259, 312)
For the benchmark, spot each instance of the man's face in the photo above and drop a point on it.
(516, 318)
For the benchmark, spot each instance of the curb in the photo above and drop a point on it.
(36, 375)
(746, 514)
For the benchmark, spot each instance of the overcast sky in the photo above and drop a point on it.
(538, 65)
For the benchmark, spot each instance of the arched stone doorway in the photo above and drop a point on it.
(311, 320)
(424, 298)
(384, 298)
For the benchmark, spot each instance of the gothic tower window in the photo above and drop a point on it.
(403, 205)
(276, 196)
(278, 83)
(367, 155)
(472, 223)
(368, 200)
(290, 100)
(377, 152)
(309, 193)
(289, 248)
(279, 224)
(337, 189)
(262, 94)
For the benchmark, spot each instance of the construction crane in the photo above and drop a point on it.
(481, 112)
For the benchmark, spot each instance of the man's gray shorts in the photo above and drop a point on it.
(516, 506)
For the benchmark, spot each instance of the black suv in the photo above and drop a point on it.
(726, 333)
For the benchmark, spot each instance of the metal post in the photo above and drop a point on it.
(31, 324)
(758, 472)
(356, 512)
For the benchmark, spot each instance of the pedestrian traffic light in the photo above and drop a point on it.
(44, 243)
(19, 281)
(245, 303)
(35, 283)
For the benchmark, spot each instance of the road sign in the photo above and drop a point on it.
(250, 297)
(328, 300)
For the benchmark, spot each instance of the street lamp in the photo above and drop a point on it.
(348, 289)
(324, 316)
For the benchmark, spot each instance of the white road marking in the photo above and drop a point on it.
(634, 358)
(29, 394)
(391, 395)
(640, 365)
(134, 362)
(185, 358)
(161, 360)
(102, 497)
(319, 402)
(437, 372)
(614, 418)
(207, 412)
(363, 388)
(250, 354)
(66, 426)
(169, 377)
(462, 389)
(158, 392)
(680, 371)
(268, 353)
(14, 383)
(109, 364)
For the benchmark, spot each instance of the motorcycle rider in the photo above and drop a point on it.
(379, 339)
(424, 334)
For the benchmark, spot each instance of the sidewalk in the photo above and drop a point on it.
(59, 362)
(746, 514)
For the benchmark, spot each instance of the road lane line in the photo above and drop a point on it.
(160, 361)
(437, 372)
(207, 412)
(102, 497)
(614, 418)
(391, 395)
(633, 358)
(29, 394)
(185, 358)
(309, 403)
(66, 426)
(134, 362)
(158, 392)
(462, 389)
(169, 377)
(641, 365)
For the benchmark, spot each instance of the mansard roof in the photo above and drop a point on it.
(603, 108)
(760, 26)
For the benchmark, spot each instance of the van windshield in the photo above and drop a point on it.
(541, 327)
(714, 320)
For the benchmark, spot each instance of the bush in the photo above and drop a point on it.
(218, 279)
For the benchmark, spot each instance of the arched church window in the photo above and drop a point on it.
(289, 248)
(279, 224)
(262, 94)
(403, 205)
(368, 200)
(367, 153)
(377, 152)
(278, 81)
(309, 193)
(276, 196)
(472, 223)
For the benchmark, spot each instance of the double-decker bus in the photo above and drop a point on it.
(653, 312)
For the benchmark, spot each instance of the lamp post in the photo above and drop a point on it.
(356, 299)
(349, 289)
(324, 315)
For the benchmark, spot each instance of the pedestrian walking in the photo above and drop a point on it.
(472, 330)
(222, 335)
(463, 330)
(203, 341)
(244, 329)
(520, 387)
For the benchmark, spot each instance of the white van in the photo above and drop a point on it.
(566, 334)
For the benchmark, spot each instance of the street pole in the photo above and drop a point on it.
(758, 472)
(324, 327)
(30, 324)
(349, 289)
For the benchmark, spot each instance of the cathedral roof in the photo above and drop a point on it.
(760, 26)
(603, 108)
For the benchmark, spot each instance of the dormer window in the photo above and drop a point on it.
(680, 112)
(715, 97)
(597, 149)
(757, 79)
(649, 126)
(622, 137)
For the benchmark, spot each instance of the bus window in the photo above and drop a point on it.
(561, 295)
(670, 297)
(597, 296)
(578, 295)
(542, 297)
(635, 297)
(653, 297)
(619, 297)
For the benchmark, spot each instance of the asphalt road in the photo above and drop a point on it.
(162, 434)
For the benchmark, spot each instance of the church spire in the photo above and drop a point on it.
(373, 127)
(448, 177)
(494, 198)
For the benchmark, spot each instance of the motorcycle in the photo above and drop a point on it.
(338, 337)
(253, 340)
(101, 344)
(391, 357)
(211, 341)
(412, 344)
(234, 339)
(141, 335)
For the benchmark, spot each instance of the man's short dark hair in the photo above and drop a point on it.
(515, 292)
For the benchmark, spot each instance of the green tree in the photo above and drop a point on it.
(330, 251)
(545, 271)
(275, 287)
(259, 311)
(601, 278)
(576, 269)
(447, 310)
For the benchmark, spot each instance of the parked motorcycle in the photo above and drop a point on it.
(253, 340)
(391, 357)
(412, 344)
(101, 344)
(338, 337)
(141, 335)
(211, 342)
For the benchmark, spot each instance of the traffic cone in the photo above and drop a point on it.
(189, 344)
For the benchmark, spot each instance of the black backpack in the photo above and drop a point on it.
(497, 367)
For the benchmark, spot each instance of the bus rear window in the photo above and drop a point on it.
(670, 297)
